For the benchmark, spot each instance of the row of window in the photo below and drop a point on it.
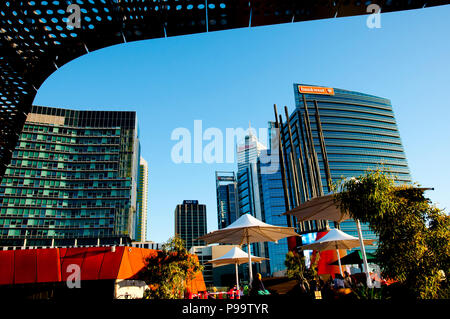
(75, 194)
(106, 156)
(55, 213)
(27, 137)
(66, 233)
(111, 148)
(69, 131)
(82, 203)
(64, 165)
(347, 97)
(62, 175)
(71, 184)
(56, 223)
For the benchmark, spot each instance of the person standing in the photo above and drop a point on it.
(258, 286)
(348, 283)
(338, 281)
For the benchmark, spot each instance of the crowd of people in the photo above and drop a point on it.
(338, 286)
(317, 288)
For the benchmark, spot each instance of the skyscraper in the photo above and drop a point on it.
(248, 181)
(338, 134)
(227, 198)
(190, 222)
(273, 203)
(267, 184)
(142, 198)
(72, 179)
(250, 201)
(249, 151)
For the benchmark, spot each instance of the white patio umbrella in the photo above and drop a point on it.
(319, 208)
(325, 208)
(237, 257)
(246, 230)
(336, 239)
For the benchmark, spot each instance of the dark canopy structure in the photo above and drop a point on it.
(35, 38)
(355, 258)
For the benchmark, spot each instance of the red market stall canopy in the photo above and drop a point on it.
(28, 266)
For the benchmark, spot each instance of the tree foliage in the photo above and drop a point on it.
(296, 269)
(414, 236)
(167, 272)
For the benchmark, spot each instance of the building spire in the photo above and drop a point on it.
(250, 129)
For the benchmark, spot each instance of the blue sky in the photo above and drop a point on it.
(229, 78)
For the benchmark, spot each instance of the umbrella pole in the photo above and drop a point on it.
(363, 251)
(237, 276)
(339, 261)
(249, 260)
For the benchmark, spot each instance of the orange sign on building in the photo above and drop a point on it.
(315, 90)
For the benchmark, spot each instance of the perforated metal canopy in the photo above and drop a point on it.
(35, 39)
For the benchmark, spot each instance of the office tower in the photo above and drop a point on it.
(248, 181)
(250, 201)
(72, 179)
(338, 134)
(273, 203)
(227, 198)
(190, 222)
(249, 151)
(142, 198)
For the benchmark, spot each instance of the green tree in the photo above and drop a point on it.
(167, 272)
(296, 269)
(414, 236)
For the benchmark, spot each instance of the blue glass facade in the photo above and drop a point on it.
(359, 134)
(73, 175)
(273, 202)
(249, 190)
(227, 198)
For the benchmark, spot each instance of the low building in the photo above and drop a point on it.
(147, 245)
(83, 272)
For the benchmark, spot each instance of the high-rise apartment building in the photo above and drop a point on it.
(72, 179)
(338, 134)
(190, 222)
(227, 198)
(142, 198)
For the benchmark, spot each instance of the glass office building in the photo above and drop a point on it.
(249, 190)
(273, 202)
(339, 134)
(72, 179)
(227, 198)
(248, 181)
(190, 222)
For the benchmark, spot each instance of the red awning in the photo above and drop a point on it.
(24, 266)
(28, 266)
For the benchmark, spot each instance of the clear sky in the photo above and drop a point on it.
(229, 78)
